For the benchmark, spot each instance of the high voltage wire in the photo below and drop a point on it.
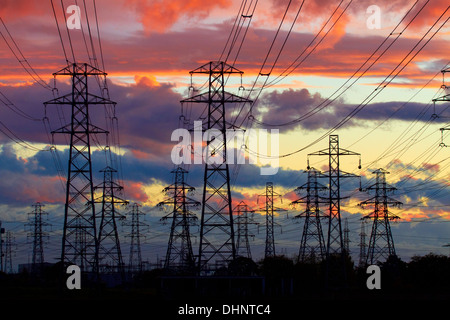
(8, 103)
(267, 56)
(295, 66)
(395, 143)
(18, 54)
(248, 118)
(91, 50)
(329, 100)
(21, 58)
(374, 93)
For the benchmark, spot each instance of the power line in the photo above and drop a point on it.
(22, 60)
(329, 100)
(374, 93)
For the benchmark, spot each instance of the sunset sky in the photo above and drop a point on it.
(389, 75)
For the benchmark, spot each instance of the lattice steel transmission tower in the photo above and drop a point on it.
(180, 256)
(335, 241)
(336, 254)
(312, 243)
(37, 233)
(135, 257)
(79, 240)
(269, 210)
(216, 225)
(362, 245)
(444, 98)
(346, 237)
(110, 255)
(9, 252)
(242, 211)
(381, 243)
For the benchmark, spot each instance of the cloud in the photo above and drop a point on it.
(23, 180)
(316, 112)
(159, 15)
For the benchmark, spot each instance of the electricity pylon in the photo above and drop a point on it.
(312, 244)
(110, 255)
(180, 256)
(362, 245)
(216, 225)
(79, 240)
(269, 209)
(335, 249)
(381, 243)
(9, 244)
(135, 257)
(242, 210)
(346, 237)
(37, 233)
(444, 98)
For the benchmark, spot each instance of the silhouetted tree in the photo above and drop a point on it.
(242, 266)
(430, 272)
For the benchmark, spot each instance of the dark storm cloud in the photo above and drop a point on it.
(316, 113)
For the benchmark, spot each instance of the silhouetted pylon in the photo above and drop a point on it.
(381, 243)
(135, 257)
(335, 251)
(269, 196)
(79, 239)
(362, 245)
(217, 246)
(37, 233)
(180, 256)
(242, 211)
(312, 243)
(110, 254)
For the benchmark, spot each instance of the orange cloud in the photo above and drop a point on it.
(135, 192)
(431, 167)
(159, 16)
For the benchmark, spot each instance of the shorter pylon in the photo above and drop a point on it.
(135, 265)
(312, 244)
(110, 255)
(381, 243)
(38, 235)
(362, 245)
(269, 209)
(9, 252)
(242, 210)
(180, 256)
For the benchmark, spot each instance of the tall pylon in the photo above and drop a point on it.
(381, 243)
(37, 233)
(335, 241)
(336, 257)
(135, 258)
(312, 243)
(180, 256)
(217, 244)
(79, 239)
(110, 254)
(269, 196)
(242, 211)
